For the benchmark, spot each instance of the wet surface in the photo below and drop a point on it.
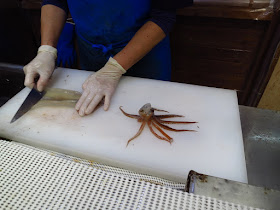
(233, 192)
(261, 134)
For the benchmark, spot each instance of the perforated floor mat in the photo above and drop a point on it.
(31, 178)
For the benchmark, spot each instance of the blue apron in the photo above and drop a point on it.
(103, 28)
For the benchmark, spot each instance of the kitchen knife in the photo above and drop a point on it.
(33, 97)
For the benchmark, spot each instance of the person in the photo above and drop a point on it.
(114, 38)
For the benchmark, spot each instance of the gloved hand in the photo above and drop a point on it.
(67, 56)
(98, 85)
(42, 65)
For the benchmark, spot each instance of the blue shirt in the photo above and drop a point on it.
(163, 12)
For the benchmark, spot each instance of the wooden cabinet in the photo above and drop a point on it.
(215, 52)
(226, 51)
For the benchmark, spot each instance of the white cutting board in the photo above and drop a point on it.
(216, 149)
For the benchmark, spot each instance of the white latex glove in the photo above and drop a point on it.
(98, 85)
(42, 65)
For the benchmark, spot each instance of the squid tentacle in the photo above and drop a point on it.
(156, 135)
(130, 115)
(168, 116)
(161, 131)
(159, 110)
(173, 122)
(167, 127)
(138, 133)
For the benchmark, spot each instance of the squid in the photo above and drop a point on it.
(155, 122)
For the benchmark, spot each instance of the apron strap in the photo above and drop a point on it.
(104, 48)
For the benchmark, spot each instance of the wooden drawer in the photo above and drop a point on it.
(215, 52)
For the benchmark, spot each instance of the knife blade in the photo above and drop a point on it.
(33, 97)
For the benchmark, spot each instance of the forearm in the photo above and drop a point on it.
(147, 37)
(52, 22)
